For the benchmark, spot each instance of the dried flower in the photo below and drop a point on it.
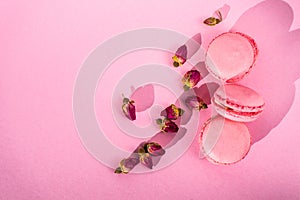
(180, 56)
(195, 102)
(218, 16)
(142, 154)
(190, 79)
(212, 21)
(167, 125)
(126, 165)
(154, 149)
(172, 112)
(148, 149)
(129, 109)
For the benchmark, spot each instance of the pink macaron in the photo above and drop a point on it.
(230, 56)
(238, 103)
(223, 141)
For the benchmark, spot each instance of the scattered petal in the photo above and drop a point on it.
(218, 16)
(168, 126)
(155, 149)
(190, 79)
(172, 112)
(180, 56)
(129, 109)
(195, 102)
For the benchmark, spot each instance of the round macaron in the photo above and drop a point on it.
(223, 141)
(230, 56)
(237, 102)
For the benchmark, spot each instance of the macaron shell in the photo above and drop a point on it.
(230, 56)
(239, 98)
(224, 141)
(235, 116)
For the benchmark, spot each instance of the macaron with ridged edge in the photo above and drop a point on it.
(230, 56)
(223, 141)
(238, 103)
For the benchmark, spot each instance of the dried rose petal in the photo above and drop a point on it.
(155, 149)
(129, 109)
(190, 79)
(180, 56)
(195, 102)
(167, 125)
(218, 16)
(172, 112)
(146, 160)
(126, 165)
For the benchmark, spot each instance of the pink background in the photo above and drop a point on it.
(43, 44)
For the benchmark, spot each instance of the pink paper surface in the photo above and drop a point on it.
(43, 44)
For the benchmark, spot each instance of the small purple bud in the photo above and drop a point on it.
(155, 149)
(191, 78)
(172, 112)
(129, 109)
(180, 56)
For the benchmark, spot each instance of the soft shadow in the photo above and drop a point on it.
(143, 97)
(277, 66)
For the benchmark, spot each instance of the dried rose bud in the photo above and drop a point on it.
(129, 109)
(190, 79)
(218, 16)
(126, 165)
(172, 112)
(195, 102)
(167, 125)
(180, 56)
(146, 160)
(154, 149)
(212, 21)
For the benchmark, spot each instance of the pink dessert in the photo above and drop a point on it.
(238, 103)
(230, 56)
(224, 141)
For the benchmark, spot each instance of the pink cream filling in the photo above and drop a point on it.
(236, 112)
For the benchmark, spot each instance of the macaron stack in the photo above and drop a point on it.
(225, 138)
